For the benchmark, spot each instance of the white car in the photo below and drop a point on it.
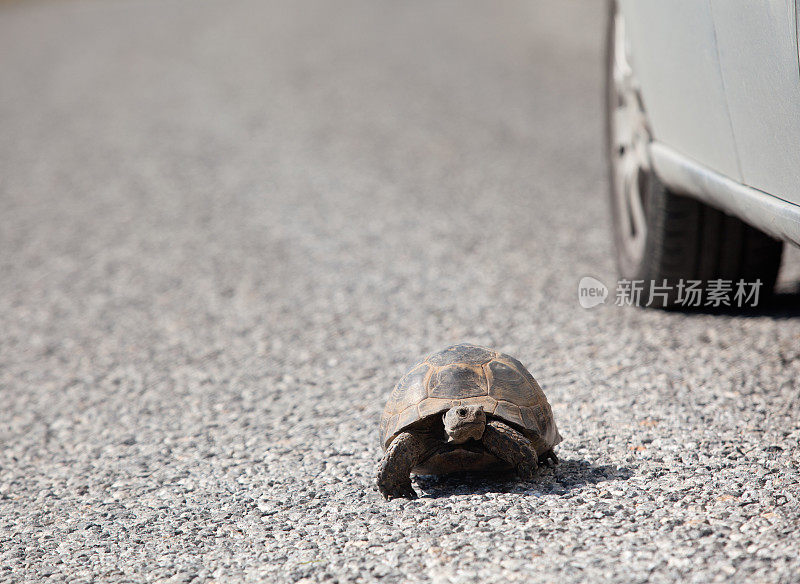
(703, 128)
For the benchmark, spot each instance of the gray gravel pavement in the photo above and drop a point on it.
(227, 228)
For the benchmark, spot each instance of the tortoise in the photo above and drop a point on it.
(465, 408)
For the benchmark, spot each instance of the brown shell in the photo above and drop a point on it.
(469, 374)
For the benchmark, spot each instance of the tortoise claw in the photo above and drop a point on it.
(397, 491)
(549, 458)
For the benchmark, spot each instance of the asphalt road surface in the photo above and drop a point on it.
(227, 228)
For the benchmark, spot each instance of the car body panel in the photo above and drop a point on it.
(757, 46)
(674, 54)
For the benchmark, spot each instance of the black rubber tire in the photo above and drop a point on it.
(686, 239)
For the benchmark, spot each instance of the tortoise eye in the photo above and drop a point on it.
(462, 412)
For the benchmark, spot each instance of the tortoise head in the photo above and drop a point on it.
(464, 422)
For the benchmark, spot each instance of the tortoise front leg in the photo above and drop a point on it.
(394, 473)
(504, 442)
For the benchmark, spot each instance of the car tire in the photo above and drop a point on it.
(658, 234)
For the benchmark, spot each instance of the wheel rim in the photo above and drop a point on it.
(629, 140)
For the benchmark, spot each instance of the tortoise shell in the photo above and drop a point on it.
(469, 374)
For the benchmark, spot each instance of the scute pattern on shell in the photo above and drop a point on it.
(457, 382)
(470, 374)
